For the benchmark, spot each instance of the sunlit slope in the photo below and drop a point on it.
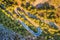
(50, 14)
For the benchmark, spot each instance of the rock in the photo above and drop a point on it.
(6, 34)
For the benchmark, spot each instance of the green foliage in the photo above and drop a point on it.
(17, 27)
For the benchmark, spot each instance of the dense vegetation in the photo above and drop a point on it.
(36, 13)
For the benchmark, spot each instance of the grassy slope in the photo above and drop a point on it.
(17, 28)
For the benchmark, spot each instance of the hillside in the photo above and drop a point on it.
(43, 14)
